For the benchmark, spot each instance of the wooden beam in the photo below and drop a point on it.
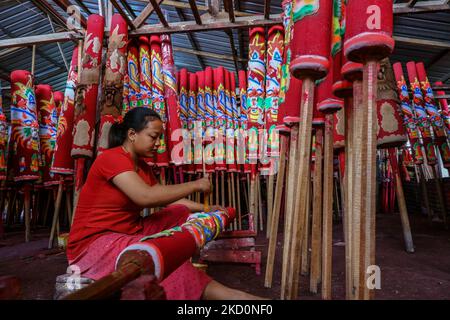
(191, 38)
(123, 14)
(183, 5)
(128, 8)
(233, 49)
(81, 4)
(421, 7)
(241, 40)
(219, 24)
(49, 10)
(412, 3)
(194, 9)
(208, 54)
(266, 9)
(159, 12)
(229, 8)
(422, 42)
(38, 51)
(41, 39)
(437, 58)
(148, 10)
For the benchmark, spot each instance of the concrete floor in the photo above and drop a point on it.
(422, 275)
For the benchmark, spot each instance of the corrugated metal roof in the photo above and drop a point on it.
(20, 18)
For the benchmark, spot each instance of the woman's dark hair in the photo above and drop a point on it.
(137, 119)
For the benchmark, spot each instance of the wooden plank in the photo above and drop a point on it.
(303, 183)
(47, 9)
(41, 39)
(356, 188)
(145, 13)
(316, 238)
(421, 7)
(348, 198)
(327, 214)
(159, 13)
(266, 9)
(274, 222)
(291, 188)
(195, 12)
(123, 14)
(228, 4)
(422, 42)
(128, 8)
(219, 24)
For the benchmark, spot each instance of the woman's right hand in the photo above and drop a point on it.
(202, 185)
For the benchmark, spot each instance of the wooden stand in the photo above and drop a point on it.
(327, 230)
(274, 221)
(303, 183)
(316, 238)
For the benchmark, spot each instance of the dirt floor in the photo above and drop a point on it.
(422, 275)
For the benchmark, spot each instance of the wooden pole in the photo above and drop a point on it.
(368, 174)
(348, 195)
(260, 210)
(401, 202)
(423, 186)
(306, 232)
(233, 198)
(239, 214)
(303, 183)
(291, 186)
(441, 198)
(327, 230)
(316, 238)
(357, 195)
(274, 222)
(55, 215)
(27, 204)
(270, 187)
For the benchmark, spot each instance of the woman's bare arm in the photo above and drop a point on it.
(143, 195)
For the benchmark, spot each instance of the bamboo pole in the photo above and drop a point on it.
(327, 218)
(316, 238)
(356, 199)
(409, 245)
(369, 173)
(270, 190)
(348, 197)
(55, 215)
(303, 181)
(238, 187)
(274, 222)
(423, 186)
(441, 198)
(27, 210)
(289, 212)
(306, 233)
(260, 208)
(69, 208)
(233, 198)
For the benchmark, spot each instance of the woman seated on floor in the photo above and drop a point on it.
(119, 185)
